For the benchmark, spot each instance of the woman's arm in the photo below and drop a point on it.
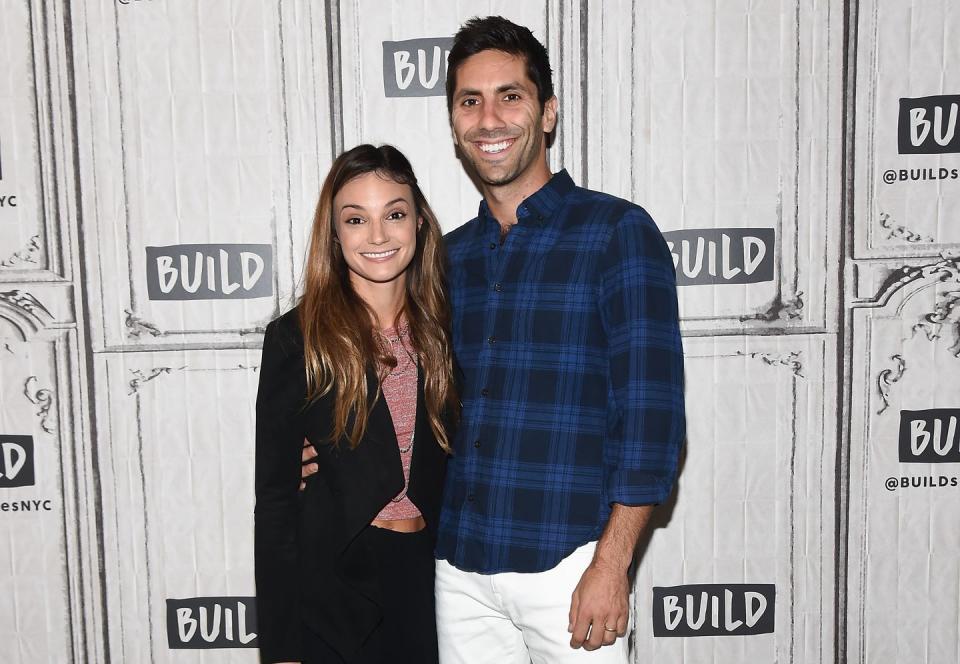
(277, 477)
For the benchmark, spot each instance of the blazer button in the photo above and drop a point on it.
(469, 497)
(491, 340)
(497, 287)
(476, 443)
(484, 392)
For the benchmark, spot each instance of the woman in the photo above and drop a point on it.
(363, 369)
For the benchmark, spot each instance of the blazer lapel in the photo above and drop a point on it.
(379, 422)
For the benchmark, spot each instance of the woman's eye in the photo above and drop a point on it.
(353, 220)
(396, 215)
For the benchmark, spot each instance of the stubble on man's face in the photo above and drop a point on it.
(497, 120)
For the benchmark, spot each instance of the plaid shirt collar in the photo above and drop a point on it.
(537, 209)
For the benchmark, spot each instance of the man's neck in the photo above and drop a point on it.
(504, 200)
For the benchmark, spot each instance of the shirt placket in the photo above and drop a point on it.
(496, 264)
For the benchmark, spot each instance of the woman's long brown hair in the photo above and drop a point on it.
(339, 339)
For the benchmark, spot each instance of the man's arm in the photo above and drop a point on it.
(308, 463)
(599, 609)
(638, 306)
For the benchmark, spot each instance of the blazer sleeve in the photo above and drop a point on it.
(277, 479)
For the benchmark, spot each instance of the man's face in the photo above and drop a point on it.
(496, 118)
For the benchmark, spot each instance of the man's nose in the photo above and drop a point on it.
(490, 117)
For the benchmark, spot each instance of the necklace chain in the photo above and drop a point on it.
(396, 343)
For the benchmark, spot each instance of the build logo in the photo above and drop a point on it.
(928, 125)
(415, 67)
(16, 462)
(211, 622)
(930, 436)
(210, 271)
(738, 609)
(722, 255)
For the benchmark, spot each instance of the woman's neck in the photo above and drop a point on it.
(385, 299)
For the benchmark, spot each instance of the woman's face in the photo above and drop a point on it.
(376, 221)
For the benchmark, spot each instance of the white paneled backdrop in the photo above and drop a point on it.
(159, 165)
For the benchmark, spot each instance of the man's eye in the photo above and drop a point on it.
(513, 96)
(470, 102)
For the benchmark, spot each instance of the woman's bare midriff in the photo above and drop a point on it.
(401, 525)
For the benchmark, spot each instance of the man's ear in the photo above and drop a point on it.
(549, 119)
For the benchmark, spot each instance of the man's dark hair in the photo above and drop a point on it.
(499, 34)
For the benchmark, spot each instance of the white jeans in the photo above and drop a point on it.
(515, 618)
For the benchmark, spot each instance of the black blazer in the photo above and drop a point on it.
(309, 568)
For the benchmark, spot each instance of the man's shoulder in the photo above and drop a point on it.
(458, 235)
(607, 208)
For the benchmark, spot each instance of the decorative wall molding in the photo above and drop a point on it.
(24, 312)
(137, 326)
(28, 254)
(887, 378)
(902, 232)
(779, 309)
(43, 399)
(140, 376)
(791, 359)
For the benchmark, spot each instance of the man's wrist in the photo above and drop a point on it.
(611, 561)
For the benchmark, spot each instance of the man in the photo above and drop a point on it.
(565, 327)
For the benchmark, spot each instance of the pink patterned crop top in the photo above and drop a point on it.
(400, 391)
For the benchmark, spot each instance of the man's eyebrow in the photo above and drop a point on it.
(507, 87)
(500, 89)
(467, 92)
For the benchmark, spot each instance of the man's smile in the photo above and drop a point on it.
(495, 148)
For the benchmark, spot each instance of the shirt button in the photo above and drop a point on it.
(493, 245)
(484, 392)
(469, 497)
(491, 340)
(497, 287)
(476, 443)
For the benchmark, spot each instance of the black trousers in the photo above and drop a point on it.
(408, 632)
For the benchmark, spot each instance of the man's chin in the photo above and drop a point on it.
(495, 177)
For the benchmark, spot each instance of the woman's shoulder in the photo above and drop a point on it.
(283, 334)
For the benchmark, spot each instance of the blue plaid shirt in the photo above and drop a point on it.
(568, 339)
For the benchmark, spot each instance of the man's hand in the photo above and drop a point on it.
(308, 464)
(599, 609)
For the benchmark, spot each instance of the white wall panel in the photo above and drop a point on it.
(39, 523)
(176, 475)
(726, 115)
(904, 204)
(754, 502)
(201, 123)
(904, 543)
